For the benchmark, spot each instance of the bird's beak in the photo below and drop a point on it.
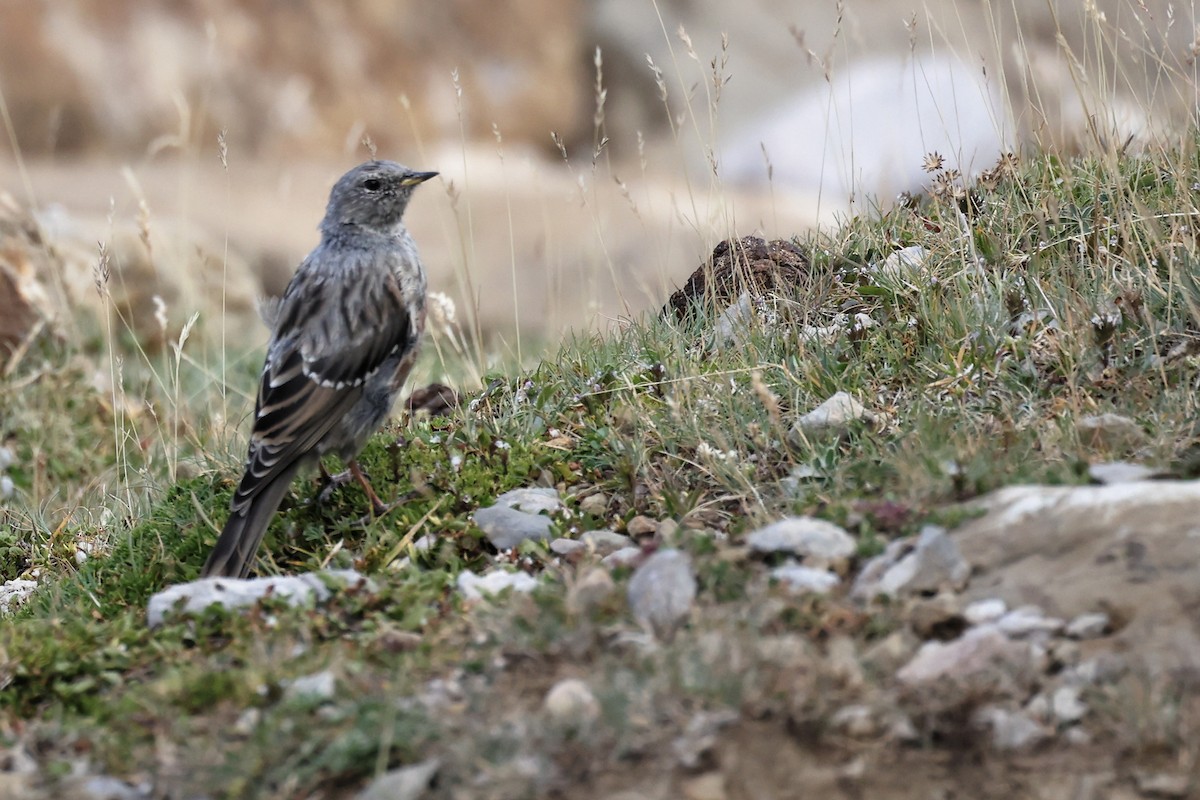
(417, 177)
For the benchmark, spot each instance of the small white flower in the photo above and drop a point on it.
(6, 487)
(160, 311)
(456, 462)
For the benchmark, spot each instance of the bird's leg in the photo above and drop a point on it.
(378, 507)
(331, 483)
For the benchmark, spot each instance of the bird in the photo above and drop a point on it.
(344, 335)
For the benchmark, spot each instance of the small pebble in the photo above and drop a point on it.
(661, 592)
(605, 542)
(594, 504)
(983, 611)
(625, 557)
(641, 526)
(570, 702)
(1088, 626)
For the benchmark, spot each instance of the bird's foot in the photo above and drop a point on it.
(331, 483)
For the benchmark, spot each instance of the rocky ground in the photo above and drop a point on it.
(906, 509)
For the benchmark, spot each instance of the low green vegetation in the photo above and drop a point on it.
(1048, 291)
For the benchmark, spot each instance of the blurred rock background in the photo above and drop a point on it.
(197, 139)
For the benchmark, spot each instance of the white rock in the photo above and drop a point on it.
(806, 580)
(233, 593)
(533, 500)
(474, 587)
(662, 590)
(1066, 705)
(905, 263)
(1120, 472)
(807, 537)
(983, 611)
(15, 592)
(1028, 621)
(1088, 626)
(406, 783)
(857, 721)
(571, 702)
(1162, 784)
(106, 787)
(982, 650)
(831, 417)
(318, 686)
(1011, 730)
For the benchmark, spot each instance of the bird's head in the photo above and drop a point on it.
(373, 195)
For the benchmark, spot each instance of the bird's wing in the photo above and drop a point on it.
(332, 336)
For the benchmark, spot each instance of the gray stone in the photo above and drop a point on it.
(1029, 621)
(605, 542)
(733, 325)
(831, 418)
(507, 527)
(569, 549)
(662, 590)
(475, 586)
(594, 504)
(1110, 432)
(625, 557)
(571, 703)
(1083, 548)
(934, 564)
(641, 525)
(1088, 626)
(106, 787)
(807, 537)
(806, 580)
(232, 593)
(406, 783)
(589, 590)
(533, 500)
(980, 652)
(318, 686)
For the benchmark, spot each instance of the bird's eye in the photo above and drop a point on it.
(372, 184)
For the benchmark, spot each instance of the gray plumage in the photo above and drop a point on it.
(344, 336)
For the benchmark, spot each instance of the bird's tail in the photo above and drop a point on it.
(234, 552)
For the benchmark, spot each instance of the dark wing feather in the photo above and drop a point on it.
(332, 337)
